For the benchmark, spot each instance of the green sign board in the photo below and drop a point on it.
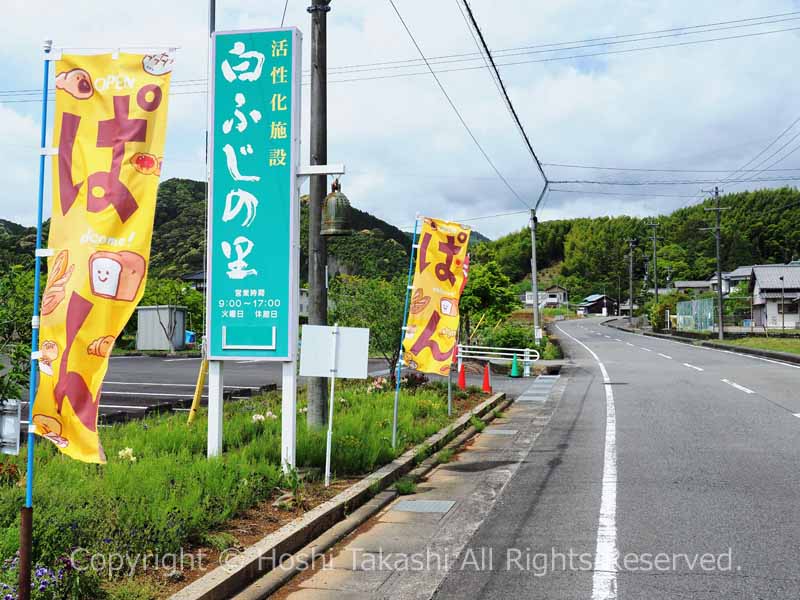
(253, 209)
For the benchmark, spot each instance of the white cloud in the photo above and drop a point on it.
(708, 106)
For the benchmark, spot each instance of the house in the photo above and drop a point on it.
(196, 280)
(556, 296)
(775, 292)
(598, 304)
(527, 299)
(739, 275)
(625, 307)
(692, 287)
(726, 284)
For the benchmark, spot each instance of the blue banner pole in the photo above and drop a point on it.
(403, 332)
(26, 523)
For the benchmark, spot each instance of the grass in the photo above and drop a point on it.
(445, 455)
(477, 423)
(778, 344)
(172, 496)
(405, 486)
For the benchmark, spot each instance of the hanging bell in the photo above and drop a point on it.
(336, 212)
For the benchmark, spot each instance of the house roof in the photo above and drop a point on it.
(741, 273)
(691, 284)
(199, 276)
(768, 276)
(556, 287)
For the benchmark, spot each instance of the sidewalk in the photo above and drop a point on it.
(406, 550)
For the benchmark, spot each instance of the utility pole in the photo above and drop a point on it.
(317, 250)
(534, 277)
(783, 305)
(717, 232)
(632, 243)
(655, 239)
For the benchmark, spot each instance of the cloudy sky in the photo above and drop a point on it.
(585, 96)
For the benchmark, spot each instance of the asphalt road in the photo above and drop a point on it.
(673, 475)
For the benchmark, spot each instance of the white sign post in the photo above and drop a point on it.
(334, 352)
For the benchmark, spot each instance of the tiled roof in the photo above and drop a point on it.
(768, 276)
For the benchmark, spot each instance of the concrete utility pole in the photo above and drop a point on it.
(783, 305)
(655, 239)
(631, 245)
(317, 250)
(717, 232)
(534, 277)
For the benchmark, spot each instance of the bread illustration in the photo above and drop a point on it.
(101, 346)
(419, 302)
(146, 164)
(116, 275)
(57, 279)
(77, 83)
(49, 352)
(449, 307)
(158, 64)
(49, 428)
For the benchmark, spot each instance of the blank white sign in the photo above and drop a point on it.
(352, 352)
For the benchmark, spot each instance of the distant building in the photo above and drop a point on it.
(556, 297)
(598, 304)
(196, 280)
(692, 287)
(775, 292)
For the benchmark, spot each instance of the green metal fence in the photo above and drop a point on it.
(696, 315)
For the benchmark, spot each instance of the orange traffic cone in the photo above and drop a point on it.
(487, 380)
(462, 378)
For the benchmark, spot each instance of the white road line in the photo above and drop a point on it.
(665, 355)
(741, 388)
(107, 393)
(797, 415)
(608, 337)
(604, 580)
(645, 349)
(693, 367)
(617, 340)
(189, 385)
(629, 344)
(180, 359)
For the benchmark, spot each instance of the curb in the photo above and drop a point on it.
(242, 570)
(281, 575)
(782, 356)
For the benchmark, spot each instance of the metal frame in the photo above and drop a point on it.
(10, 423)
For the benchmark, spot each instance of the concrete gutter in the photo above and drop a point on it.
(253, 562)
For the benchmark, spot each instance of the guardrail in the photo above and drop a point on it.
(494, 353)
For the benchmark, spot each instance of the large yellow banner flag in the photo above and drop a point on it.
(110, 125)
(433, 315)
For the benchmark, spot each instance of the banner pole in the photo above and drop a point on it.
(403, 332)
(26, 517)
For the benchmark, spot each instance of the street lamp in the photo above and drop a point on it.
(783, 305)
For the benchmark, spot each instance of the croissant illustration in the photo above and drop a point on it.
(101, 346)
(57, 279)
(418, 301)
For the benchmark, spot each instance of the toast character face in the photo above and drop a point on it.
(116, 275)
(77, 83)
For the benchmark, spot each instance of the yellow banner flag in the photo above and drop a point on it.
(110, 125)
(433, 315)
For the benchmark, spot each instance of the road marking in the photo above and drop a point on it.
(741, 388)
(797, 415)
(629, 344)
(191, 385)
(180, 359)
(617, 340)
(692, 367)
(107, 393)
(607, 337)
(665, 355)
(604, 580)
(645, 349)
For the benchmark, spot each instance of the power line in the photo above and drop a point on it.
(504, 91)
(671, 182)
(283, 18)
(455, 109)
(598, 193)
(647, 170)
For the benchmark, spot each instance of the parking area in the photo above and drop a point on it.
(138, 385)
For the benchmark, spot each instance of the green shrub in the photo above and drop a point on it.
(405, 486)
(445, 455)
(477, 423)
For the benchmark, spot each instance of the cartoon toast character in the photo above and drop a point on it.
(116, 275)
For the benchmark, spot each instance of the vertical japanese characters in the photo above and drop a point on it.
(110, 127)
(251, 191)
(439, 278)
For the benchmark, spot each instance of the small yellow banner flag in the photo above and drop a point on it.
(439, 277)
(110, 127)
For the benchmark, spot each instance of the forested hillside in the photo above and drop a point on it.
(760, 227)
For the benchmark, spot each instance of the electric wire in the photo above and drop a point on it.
(455, 109)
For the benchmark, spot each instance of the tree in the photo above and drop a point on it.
(488, 294)
(373, 303)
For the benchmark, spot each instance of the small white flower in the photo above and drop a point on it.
(126, 454)
(271, 415)
(257, 418)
